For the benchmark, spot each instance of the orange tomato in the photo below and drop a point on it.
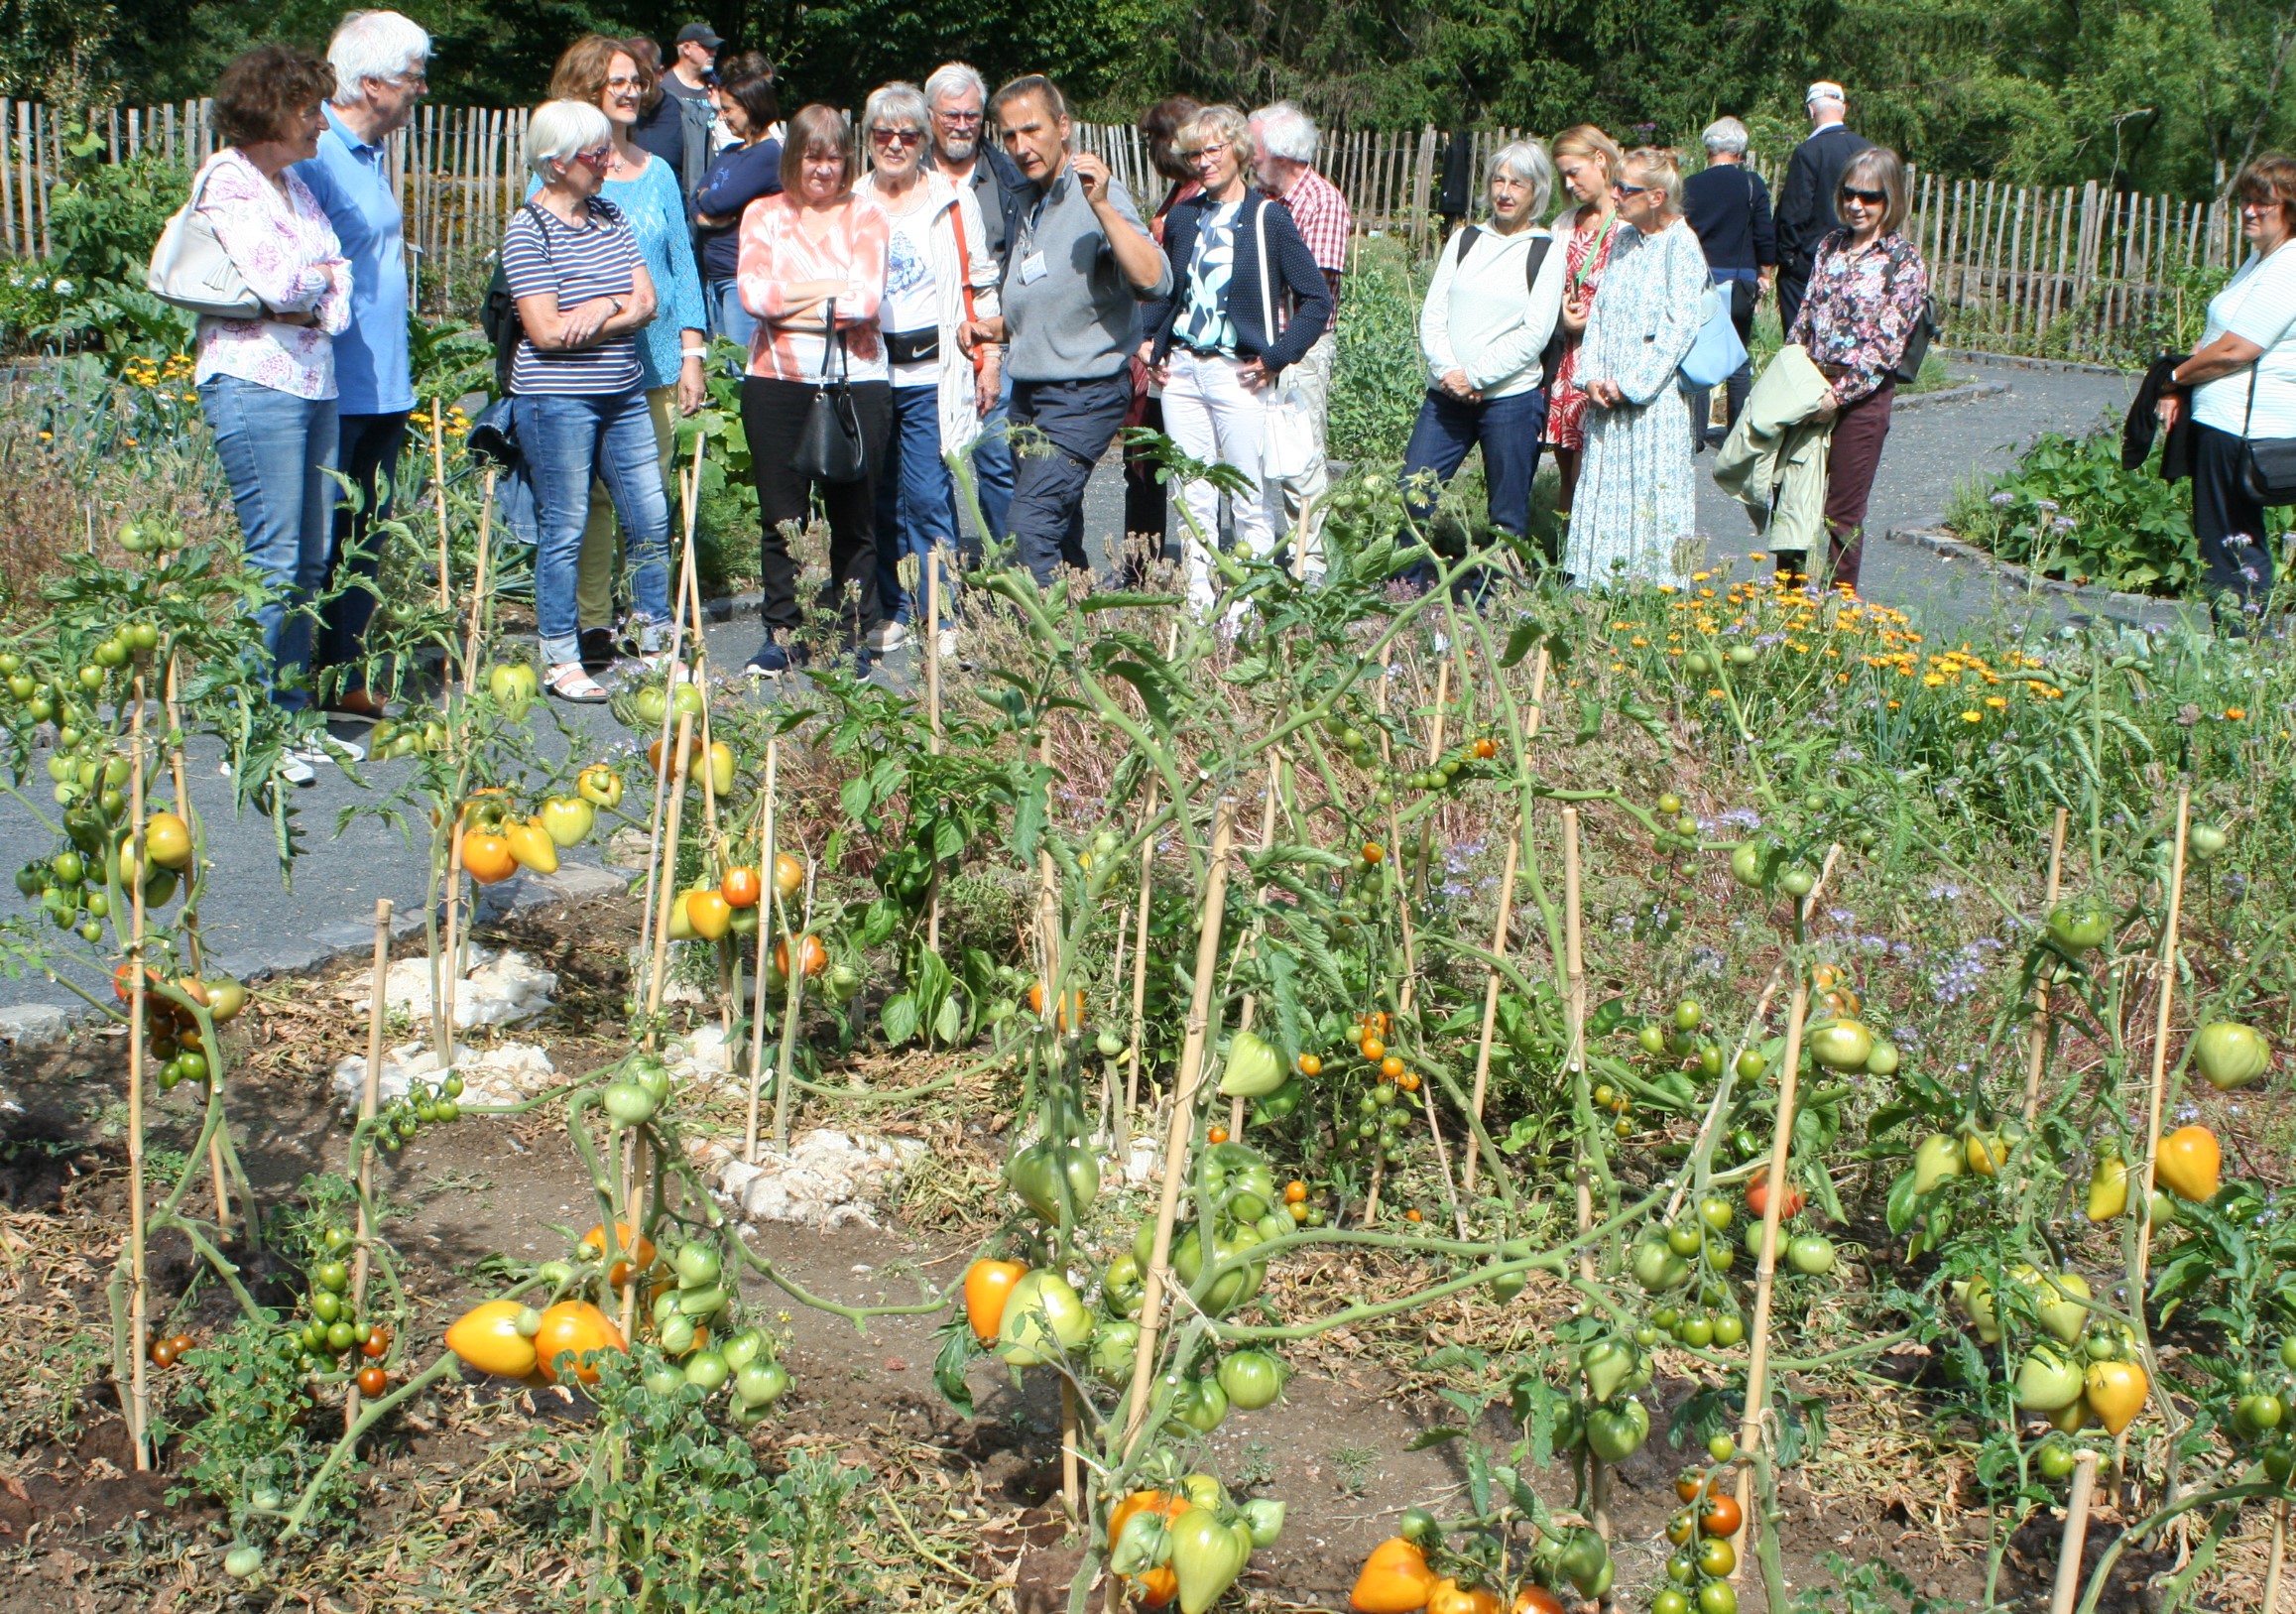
(1155, 1587)
(1373, 852)
(1757, 1198)
(1826, 977)
(1409, 1081)
(1037, 1006)
(1295, 1192)
(1686, 1483)
(809, 949)
(708, 914)
(1537, 1599)
(1412, 1216)
(1720, 1515)
(373, 1380)
(788, 875)
(1310, 1064)
(487, 857)
(2189, 1163)
(487, 1338)
(1394, 1579)
(1371, 1049)
(988, 1285)
(1392, 1066)
(378, 1342)
(593, 1248)
(742, 888)
(1218, 1135)
(1486, 748)
(1450, 1597)
(655, 751)
(578, 1328)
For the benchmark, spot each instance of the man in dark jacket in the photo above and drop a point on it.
(1728, 207)
(1805, 210)
(674, 125)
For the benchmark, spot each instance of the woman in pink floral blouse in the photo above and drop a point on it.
(1864, 300)
(267, 385)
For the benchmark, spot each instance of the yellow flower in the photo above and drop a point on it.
(1895, 704)
(1700, 576)
(2234, 714)
(1933, 679)
(1617, 667)
(1758, 555)
(1973, 717)
(1996, 703)
(1637, 641)
(1715, 694)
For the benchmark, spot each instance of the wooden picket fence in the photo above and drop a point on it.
(2068, 270)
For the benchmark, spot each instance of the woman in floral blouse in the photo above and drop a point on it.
(267, 385)
(1867, 290)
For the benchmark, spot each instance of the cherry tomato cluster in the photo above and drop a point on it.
(170, 1349)
(424, 1103)
(1442, 775)
(1698, 1571)
(333, 1334)
(1380, 1112)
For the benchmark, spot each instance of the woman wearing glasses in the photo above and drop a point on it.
(1634, 518)
(606, 73)
(814, 248)
(939, 278)
(1867, 289)
(577, 383)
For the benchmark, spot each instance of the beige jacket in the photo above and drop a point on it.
(1774, 459)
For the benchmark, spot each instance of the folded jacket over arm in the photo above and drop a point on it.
(1774, 461)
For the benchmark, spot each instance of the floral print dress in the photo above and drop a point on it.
(1585, 257)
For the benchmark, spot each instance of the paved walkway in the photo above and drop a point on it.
(252, 924)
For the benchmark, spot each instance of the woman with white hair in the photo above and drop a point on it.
(1485, 330)
(939, 278)
(578, 388)
(1728, 209)
(1637, 507)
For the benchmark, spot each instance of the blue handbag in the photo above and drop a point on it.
(1715, 357)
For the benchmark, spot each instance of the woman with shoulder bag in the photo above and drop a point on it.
(266, 383)
(1728, 209)
(1587, 162)
(2241, 383)
(1484, 331)
(577, 388)
(812, 274)
(1220, 339)
(939, 278)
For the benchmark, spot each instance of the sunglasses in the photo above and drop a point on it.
(1623, 192)
(1872, 198)
(896, 137)
(601, 159)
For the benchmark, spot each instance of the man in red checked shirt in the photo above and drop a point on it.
(1283, 156)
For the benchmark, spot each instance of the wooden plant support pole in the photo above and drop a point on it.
(785, 1066)
(2272, 1566)
(666, 888)
(1267, 839)
(479, 591)
(370, 1100)
(138, 1295)
(1147, 875)
(442, 980)
(1435, 727)
(191, 934)
(2160, 1029)
(1491, 1002)
(1181, 1130)
(2067, 1591)
(1766, 1269)
(661, 769)
(1048, 899)
(932, 714)
(438, 491)
(1575, 1014)
(766, 898)
(2038, 1054)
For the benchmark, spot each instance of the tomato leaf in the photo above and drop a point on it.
(958, 1348)
(1440, 1434)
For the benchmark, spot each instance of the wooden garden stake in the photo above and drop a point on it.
(932, 714)
(479, 591)
(370, 1099)
(443, 977)
(438, 488)
(2038, 1054)
(1766, 1269)
(2168, 946)
(665, 889)
(191, 934)
(1182, 1131)
(1147, 875)
(766, 898)
(2271, 1603)
(1575, 1013)
(1491, 998)
(785, 1066)
(1267, 839)
(661, 769)
(2066, 1589)
(139, 1297)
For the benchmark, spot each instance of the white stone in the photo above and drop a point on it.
(497, 990)
(825, 1178)
(509, 1073)
(1143, 1163)
(34, 1025)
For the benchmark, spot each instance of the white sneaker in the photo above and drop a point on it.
(948, 644)
(293, 767)
(886, 636)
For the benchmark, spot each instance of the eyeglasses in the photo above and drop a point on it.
(1201, 152)
(962, 120)
(602, 159)
(1623, 190)
(625, 83)
(896, 137)
(1872, 198)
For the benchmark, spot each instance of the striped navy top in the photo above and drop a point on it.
(540, 253)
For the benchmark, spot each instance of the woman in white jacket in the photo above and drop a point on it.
(1484, 330)
(941, 283)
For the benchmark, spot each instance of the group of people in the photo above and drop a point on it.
(980, 286)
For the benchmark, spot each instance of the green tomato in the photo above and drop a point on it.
(1043, 1320)
(2230, 1055)
(1811, 1254)
(1252, 1378)
(706, 1371)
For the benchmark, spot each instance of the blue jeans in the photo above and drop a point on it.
(277, 450)
(568, 443)
(1508, 431)
(993, 462)
(917, 503)
(728, 319)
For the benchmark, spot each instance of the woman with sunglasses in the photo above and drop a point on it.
(1634, 518)
(813, 254)
(576, 383)
(1868, 286)
(939, 278)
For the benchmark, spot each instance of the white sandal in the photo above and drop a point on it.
(569, 681)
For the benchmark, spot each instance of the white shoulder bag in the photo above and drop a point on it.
(1289, 445)
(190, 269)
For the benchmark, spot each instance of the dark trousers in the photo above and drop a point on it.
(1793, 285)
(369, 449)
(1063, 428)
(1508, 431)
(774, 419)
(2229, 523)
(1850, 461)
(1147, 507)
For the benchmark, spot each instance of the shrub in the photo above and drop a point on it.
(2067, 509)
(105, 222)
(1378, 379)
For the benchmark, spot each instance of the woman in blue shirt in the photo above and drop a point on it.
(743, 173)
(605, 73)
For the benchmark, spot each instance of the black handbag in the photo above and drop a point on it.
(2269, 474)
(829, 447)
(913, 346)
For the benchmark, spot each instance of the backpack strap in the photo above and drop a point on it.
(1465, 238)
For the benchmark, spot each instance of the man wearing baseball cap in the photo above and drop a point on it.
(674, 120)
(1805, 210)
(696, 62)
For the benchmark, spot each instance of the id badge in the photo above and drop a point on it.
(1031, 268)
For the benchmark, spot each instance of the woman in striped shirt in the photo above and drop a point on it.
(583, 295)
(814, 245)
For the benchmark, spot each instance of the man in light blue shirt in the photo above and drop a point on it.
(379, 59)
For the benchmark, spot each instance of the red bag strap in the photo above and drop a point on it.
(965, 272)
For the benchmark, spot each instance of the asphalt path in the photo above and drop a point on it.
(264, 925)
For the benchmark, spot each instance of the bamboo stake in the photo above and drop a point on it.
(443, 977)
(479, 591)
(1575, 1016)
(139, 1302)
(1491, 997)
(1182, 1127)
(662, 768)
(438, 489)
(932, 712)
(784, 1065)
(2038, 1054)
(2160, 1030)
(767, 899)
(370, 1099)
(2271, 1603)
(666, 888)
(1766, 1269)
(1267, 839)
(191, 933)
(2066, 1589)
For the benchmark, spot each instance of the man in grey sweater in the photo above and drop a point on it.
(1081, 261)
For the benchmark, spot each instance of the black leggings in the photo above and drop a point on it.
(773, 418)
(2236, 558)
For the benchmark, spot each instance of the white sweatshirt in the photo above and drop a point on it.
(1480, 316)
